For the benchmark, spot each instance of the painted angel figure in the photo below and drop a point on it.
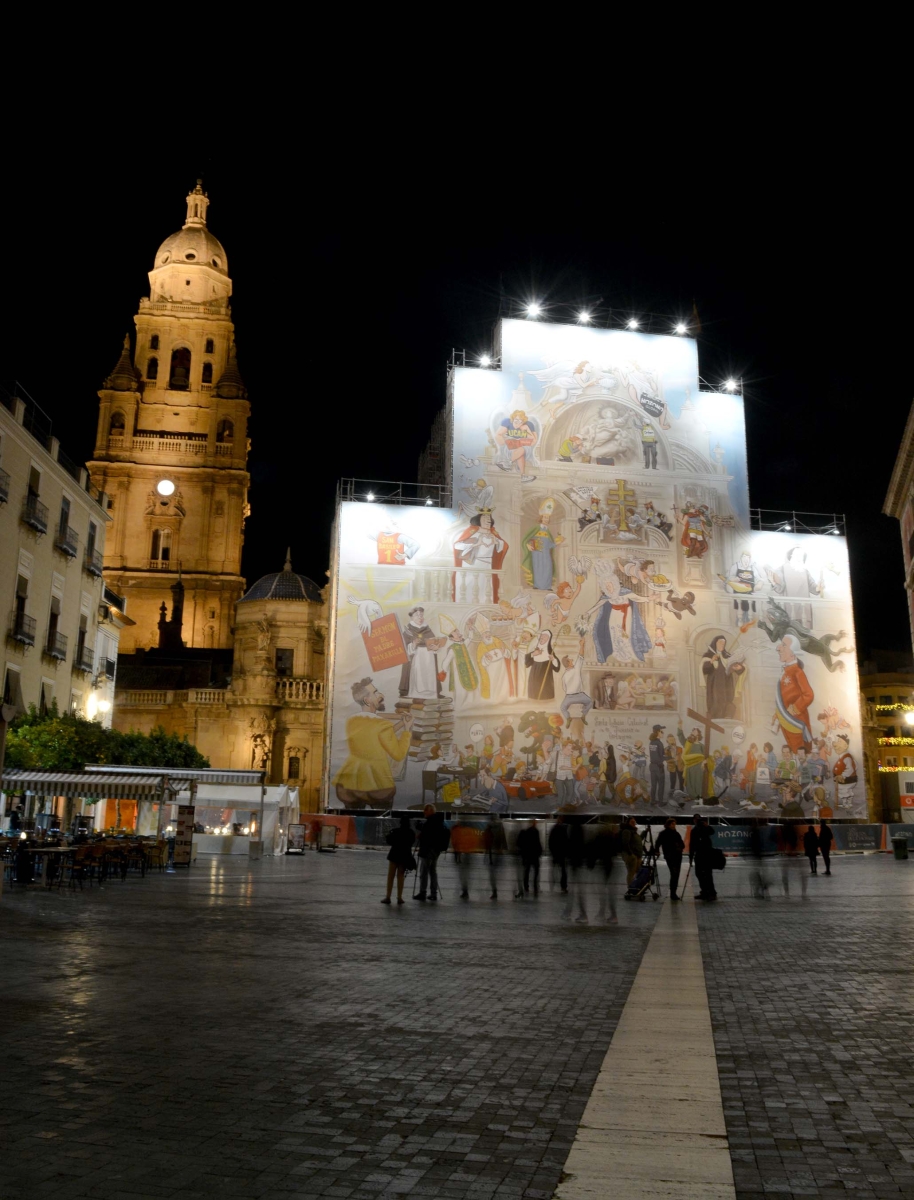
(563, 383)
(516, 435)
(366, 611)
(482, 495)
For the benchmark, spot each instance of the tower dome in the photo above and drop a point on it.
(284, 585)
(193, 245)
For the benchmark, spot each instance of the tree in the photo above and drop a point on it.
(54, 741)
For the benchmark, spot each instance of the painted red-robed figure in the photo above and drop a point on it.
(480, 547)
(794, 696)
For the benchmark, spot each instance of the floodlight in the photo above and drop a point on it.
(584, 317)
(633, 324)
(730, 385)
(104, 705)
(484, 360)
(428, 501)
(370, 496)
(533, 310)
(835, 530)
(788, 528)
(680, 328)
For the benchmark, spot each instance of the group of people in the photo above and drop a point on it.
(571, 854)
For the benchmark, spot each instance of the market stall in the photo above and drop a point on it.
(227, 818)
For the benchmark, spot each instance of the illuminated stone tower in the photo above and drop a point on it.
(171, 448)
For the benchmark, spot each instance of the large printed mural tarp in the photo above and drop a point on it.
(594, 626)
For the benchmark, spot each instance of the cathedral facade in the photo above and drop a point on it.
(240, 672)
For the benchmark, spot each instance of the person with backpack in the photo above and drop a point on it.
(670, 844)
(434, 837)
(530, 849)
(558, 850)
(826, 837)
(811, 849)
(701, 854)
(399, 857)
(632, 848)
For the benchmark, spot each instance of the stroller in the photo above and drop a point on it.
(645, 882)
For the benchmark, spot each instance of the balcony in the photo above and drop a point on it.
(56, 645)
(4, 486)
(35, 514)
(83, 661)
(300, 691)
(22, 628)
(66, 541)
(93, 563)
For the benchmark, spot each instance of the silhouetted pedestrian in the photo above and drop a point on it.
(434, 837)
(530, 849)
(558, 850)
(463, 842)
(632, 848)
(496, 846)
(826, 837)
(399, 857)
(670, 844)
(603, 852)
(576, 865)
(701, 854)
(811, 848)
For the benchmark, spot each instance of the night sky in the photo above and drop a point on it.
(353, 280)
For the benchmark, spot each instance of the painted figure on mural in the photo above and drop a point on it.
(744, 577)
(527, 623)
(696, 530)
(491, 661)
(618, 630)
(648, 443)
(481, 548)
(794, 696)
(724, 677)
(644, 389)
(607, 437)
(393, 545)
(693, 762)
(541, 663)
(845, 772)
(456, 668)
(538, 564)
(515, 437)
(419, 676)
(372, 741)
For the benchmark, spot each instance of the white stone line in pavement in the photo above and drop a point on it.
(653, 1128)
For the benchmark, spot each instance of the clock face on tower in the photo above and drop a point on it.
(165, 487)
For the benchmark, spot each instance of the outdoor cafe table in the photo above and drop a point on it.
(49, 853)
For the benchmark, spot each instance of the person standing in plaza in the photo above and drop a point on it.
(463, 842)
(495, 845)
(530, 849)
(433, 839)
(811, 848)
(632, 848)
(670, 844)
(701, 854)
(602, 855)
(576, 865)
(655, 750)
(399, 857)
(558, 850)
(826, 837)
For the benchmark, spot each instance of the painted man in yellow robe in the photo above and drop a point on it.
(365, 778)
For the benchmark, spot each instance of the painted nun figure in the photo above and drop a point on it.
(542, 664)
(618, 630)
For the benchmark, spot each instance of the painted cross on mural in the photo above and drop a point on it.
(622, 496)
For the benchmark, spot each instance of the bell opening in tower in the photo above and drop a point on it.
(179, 376)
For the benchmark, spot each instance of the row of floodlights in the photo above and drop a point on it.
(370, 497)
(788, 528)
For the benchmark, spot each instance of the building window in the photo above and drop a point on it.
(207, 372)
(46, 698)
(64, 514)
(179, 376)
(885, 700)
(891, 762)
(117, 427)
(154, 342)
(209, 347)
(889, 731)
(34, 482)
(12, 689)
(294, 768)
(284, 662)
(225, 431)
(161, 545)
(152, 369)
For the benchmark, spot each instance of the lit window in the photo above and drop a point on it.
(294, 768)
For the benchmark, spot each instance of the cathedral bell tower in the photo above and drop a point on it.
(171, 448)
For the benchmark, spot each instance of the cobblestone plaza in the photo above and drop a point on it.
(270, 1029)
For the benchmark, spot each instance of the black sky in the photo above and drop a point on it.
(356, 273)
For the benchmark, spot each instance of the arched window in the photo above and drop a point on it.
(161, 545)
(210, 347)
(154, 342)
(152, 369)
(207, 372)
(225, 431)
(117, 426)
(179, 376)
(294, 768)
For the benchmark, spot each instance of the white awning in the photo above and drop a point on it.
(84, 785)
